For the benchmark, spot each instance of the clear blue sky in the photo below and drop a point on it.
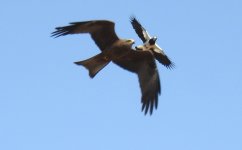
(48, 103)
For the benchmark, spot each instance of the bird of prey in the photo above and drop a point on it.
(149, 43)
(121, 53)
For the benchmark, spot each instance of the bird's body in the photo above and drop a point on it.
(121, 53)
(149, 43)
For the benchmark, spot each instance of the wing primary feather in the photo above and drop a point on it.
(62, 31)
(151, 106)
(146, 106)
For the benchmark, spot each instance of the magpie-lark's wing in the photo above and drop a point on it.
(142, 33)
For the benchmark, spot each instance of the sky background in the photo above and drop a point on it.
(48, 103)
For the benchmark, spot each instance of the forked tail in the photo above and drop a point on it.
(94, 64)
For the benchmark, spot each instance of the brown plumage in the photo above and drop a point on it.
(121, 53)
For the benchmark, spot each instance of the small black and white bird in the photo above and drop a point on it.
(149, 43)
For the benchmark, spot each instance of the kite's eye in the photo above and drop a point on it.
(130, 41)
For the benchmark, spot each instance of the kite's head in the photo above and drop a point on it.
(152, 40)
(130, 42)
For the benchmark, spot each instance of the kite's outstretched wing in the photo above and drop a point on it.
(143, 63)
(102, 31)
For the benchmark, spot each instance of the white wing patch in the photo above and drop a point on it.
(146, 35)
(158, 49)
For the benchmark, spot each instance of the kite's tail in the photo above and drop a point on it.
(94, 64)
